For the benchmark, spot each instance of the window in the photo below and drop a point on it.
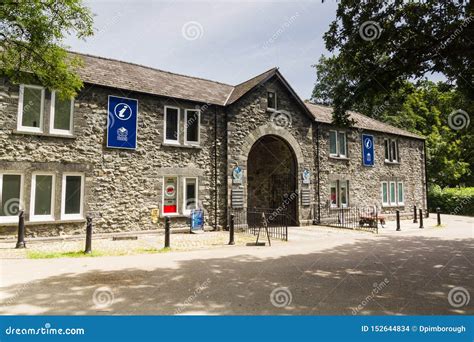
(391, 151)
(192, 126)
(30, 109)
(11, 193)
(271, 100)
(393, 193)
(337, 144)
(61, 121)
(171, 125)
(170, 195)
(339, 194)
(72, 196)
(190, 194)
(42, 197)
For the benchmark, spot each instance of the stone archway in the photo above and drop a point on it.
(272, 171)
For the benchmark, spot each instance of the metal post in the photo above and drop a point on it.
(398, 220)
(231, 230)
(427, 213)
(414, 214)
(167, 232)
(21, 230)
(421, 218)
(438, 213)
(88, 249)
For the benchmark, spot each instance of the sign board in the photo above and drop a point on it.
(197, 219)
(122, 123)
(154, 215)
(306, 176)
(237, 198)
(169, 196)
(368, 157)
(237, 175)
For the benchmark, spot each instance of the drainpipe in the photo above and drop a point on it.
(215, 169)
(426, 175)
(317, 172)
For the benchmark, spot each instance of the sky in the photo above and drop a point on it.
(225, 41)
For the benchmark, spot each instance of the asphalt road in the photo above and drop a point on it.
(318, 272)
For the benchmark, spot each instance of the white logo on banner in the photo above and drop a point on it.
(123, 111)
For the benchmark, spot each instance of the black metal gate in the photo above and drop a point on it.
(285, 197)
(349, 218)
(254, 220)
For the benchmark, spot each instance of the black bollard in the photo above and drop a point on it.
(414, 214)
(88, 249)
(398, 220)
(438, 213)
(231, 230)
(21, 230)
(167, 232)
(421, 218)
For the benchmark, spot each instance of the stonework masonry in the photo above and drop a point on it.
(123, 187)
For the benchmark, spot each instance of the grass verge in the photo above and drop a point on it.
(81, 254)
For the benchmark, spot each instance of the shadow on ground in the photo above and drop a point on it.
(418, 274)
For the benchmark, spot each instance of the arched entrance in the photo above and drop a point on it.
(272, 177)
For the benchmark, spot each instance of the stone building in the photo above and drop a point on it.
(199, 144)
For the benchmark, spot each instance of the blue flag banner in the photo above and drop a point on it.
(368, 157)
(197, 219)
(237, 328)
(122, 123)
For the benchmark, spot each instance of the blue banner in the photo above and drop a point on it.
(368, 156)
(122, 123)
(237, 328)
(197, 219)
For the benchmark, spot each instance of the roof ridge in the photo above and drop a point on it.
(248, 80)
(149, 67)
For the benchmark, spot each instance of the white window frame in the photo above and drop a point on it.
(188, 211)
(171, 141)
(65, 216)
(186, 141)
(391, 159)
(276, 103)
(385, 203)
(337, 154)
(402, 202)
(20, 126)
(346, 205)
(390, 193)
(163, 197)
(12, 219)
(37, 218)
(53, 113)
(337, 195)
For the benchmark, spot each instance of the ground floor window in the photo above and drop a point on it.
(190, 194)
(42, 197)
(184, 189)
(339, 194)
(11, 193)
(393, 193)
(170, 195)
(72, 196)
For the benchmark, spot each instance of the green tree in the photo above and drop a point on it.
(31, 35)
(381, 44)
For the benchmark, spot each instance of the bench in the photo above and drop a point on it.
(370, 220)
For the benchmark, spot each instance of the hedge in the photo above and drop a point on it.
(454, 201)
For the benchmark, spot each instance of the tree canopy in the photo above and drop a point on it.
(31, 35)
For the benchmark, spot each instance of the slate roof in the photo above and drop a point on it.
(324, 114)
(134, 77)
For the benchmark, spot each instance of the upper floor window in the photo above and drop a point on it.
(171, 125)
(339, 194)
(30, 108)
(192, 126)
(61, 121)
(271, 100)
(11, 193)
(337, 144)
(391, 151)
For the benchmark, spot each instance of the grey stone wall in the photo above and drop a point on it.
(121, 186)
(365, 182)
